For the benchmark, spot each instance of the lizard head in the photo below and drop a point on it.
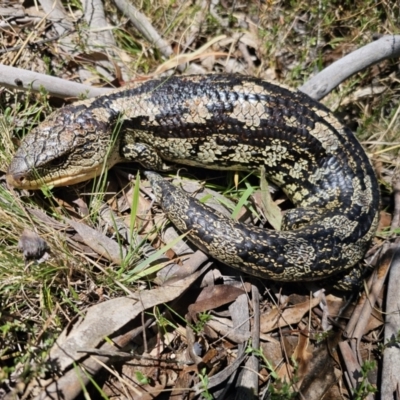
(72, 145)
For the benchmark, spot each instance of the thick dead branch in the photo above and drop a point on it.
(16, 78)
(8, 74)
(325, 81)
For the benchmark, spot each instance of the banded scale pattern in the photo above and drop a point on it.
(223, 122)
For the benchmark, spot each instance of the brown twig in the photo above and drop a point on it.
(35, 44)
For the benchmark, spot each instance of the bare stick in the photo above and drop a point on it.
(31, 44)
(391, 355)
(99, 36)
(100, 33)
(325, 81)
(143, 25)
(61, 22)
(17, 78)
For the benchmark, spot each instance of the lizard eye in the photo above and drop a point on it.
(19, 178)
(58, 161)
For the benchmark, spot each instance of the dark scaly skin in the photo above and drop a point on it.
(224, 122)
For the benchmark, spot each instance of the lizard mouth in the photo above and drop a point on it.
(22, 175)
(22, 181)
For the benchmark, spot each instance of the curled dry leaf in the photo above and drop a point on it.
(277, 318)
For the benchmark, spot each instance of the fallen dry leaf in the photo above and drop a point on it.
(104, 319)
(302, 354)
(277, 318)
(214, 297)
(99, 242)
